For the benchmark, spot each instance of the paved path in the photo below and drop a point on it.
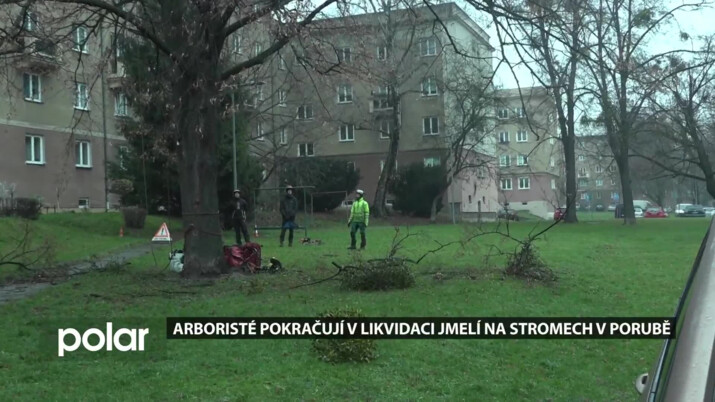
(20, 291)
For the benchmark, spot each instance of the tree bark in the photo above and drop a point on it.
(571, 188)
(378, 208)
(624, 171)
(433, 210)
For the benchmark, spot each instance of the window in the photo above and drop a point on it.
(305, 112)
(84, 154)
(305, 149)
(257, 49)
(83, 203)
(612, 168)
(32, 87)
(382, 165)
(283, 136)
(430, 125)
(428, 47)
(236, 44)
(504, 137)
(552, 162)
(432, 161)
(613, 182)
(481, 173)
(29, 22)
(505, 184)
(599, 182)
(553, 184)
(429, 87)
(120, 104)
(282, 97)
(345, 93)
(385, 129)
(503, 114)
(582, 172)
(259, 92)
(524, 183)
(552, 141)
(581, 158)
(81, 100)
(522, 136)
(259, 132)
(520, 112)
(599, 169)
(521, 160)
(34, 149)
(123, 153)
(80, 39)
(351, 166)
(382, 98)
(584, 196)
(614, 195)
(344, 55)
(598, 196)
(504, 160)
(582, 183)
(382, 52)
(281, 62)
(347, 132)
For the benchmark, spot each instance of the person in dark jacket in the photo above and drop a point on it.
(289, 208)
(239, 217)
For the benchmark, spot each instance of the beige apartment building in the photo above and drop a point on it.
(59, 115)
(348, 113)
(529, 151)
(596, 173)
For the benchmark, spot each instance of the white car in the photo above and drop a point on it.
(639, 212)
(709, 211)
(680, 209)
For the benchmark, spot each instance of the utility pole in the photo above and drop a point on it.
(233, 112)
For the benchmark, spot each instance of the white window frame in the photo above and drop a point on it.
(522, 136)
(30, 21)
(27, 78)
(429, 87)
(382, 99)
(599, 169)
(433, 124)
(523, 180)
(123, 151)
(308, 146)
(504, 160)
(345, 93)
(581, 158)
(599, 182)
(346, 133)
(428, 46)
(522, 160)
(432, 161)
(260, 135)
(503, 114)
(345, 55)
(552, 141)
(520, 112)
(553, 184)
(237, 44)
(611, 168)
(79, 203)
(382, 53)
(81, 94)
(582, 172)
(257, 49)
(305, 109)
(283, 136)
(35, 140)
(80, 44)
(507, 187)
(120, 109)
(282, 63)
(552, 162)
(584, 196)
(504, 137)
(83, 153)
(282, 98)
(382, 165)
(385, 126)
(615, 194)
(582, 180)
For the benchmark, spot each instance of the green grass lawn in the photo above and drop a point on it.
(605, 268)
(77, 236)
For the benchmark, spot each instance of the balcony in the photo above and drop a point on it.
(117, 75)
(38, 56)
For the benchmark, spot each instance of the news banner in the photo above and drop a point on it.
(420, 328)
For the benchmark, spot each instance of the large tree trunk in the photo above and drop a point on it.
(197, 123)
(624, 171)
(378, 208)
(571, 189)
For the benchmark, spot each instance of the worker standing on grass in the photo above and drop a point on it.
(289, 207)
(239, 217)
(359, 218)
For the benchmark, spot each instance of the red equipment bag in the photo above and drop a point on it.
(247, 256)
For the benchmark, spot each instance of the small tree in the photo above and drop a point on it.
(415, 188)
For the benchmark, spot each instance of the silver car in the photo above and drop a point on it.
(685, 369)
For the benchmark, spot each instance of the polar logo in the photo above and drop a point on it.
(109, 338)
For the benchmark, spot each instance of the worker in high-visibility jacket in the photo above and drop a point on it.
(359, 219)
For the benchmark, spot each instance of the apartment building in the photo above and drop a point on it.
(529, 152)
(597, 177)
(59, 113)
(349, 112)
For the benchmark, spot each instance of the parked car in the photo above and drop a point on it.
(709, 211)
(693, 211)
(680, 208)
(638, 212)
(559, 213)
(508, 214)
(599, 208)
(611, 207)
(655, 213)
(684, 368)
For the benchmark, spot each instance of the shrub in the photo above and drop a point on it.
(526, 264)
(416, 186)
(382, 274)
(28, 208)
(344, 350)
(327, 175)
(134, 217)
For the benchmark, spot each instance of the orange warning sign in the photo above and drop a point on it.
(162, 234)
